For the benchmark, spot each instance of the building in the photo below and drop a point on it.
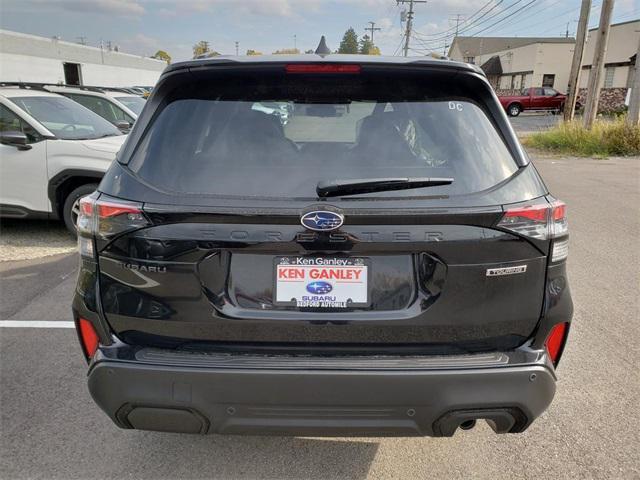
(29, 58)
(620, 57)
(513, 63)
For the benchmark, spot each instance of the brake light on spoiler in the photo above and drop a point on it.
(322, 68)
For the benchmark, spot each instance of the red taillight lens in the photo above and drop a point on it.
(88, 337)
(530, 220)
(540, 221)
(555, 341)
(111, 209)
(536, 213)
(559, 225)
(322, 68)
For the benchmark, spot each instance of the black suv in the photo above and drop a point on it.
(322, 245)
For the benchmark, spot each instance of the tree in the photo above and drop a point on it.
(201, 48)
(349, 43)
(253, 52)
(162, 55)
(287, 51)
(374, 51)
(365, 45)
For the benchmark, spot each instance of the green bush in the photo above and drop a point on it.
(604, 139)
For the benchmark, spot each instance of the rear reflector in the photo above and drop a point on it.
(560, 250)
(555, 341)
(88, 337)
(322, 68)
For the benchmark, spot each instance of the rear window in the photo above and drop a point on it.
(277, 136)
(135, 104)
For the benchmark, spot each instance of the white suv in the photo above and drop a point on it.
(53, 151)
(116, 105)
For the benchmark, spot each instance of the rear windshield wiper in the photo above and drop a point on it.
(335, 188)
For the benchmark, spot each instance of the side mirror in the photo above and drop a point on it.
(123, 125)
(15, 139)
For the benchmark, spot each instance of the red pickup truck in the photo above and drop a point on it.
(536, 98)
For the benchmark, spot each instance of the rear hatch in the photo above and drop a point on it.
(251, 214)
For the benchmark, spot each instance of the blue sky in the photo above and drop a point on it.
(144, 26)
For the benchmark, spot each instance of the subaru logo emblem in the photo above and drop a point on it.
(319, 288)
(322, 220)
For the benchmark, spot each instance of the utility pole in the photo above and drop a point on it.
(593, 89)
(372, 29)
(457, 20)
(407, 33)
(237, 45)
(633, 116)
(295, 41)
(576, 64)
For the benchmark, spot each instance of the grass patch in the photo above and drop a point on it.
(606, 138)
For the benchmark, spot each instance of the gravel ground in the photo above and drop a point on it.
(29, 239)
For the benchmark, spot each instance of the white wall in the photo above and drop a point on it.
(23, 68)
(622, 44)
(29, 58)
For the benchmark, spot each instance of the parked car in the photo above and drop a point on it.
(144, 90)
(397, 267)
(53, 151)
(537, 98)
(118, 106)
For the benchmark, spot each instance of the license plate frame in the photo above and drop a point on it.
(354, 287)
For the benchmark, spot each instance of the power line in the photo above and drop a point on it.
(468, 19)
(508, 16)
(429, 45)
(546, 20)
(472, 24)
(395, 52)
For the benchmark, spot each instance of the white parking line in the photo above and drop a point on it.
(35, 324)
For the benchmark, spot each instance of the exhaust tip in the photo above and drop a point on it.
(467, 425)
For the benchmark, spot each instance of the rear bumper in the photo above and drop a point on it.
(382, 396)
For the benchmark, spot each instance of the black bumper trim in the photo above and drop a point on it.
(431, 402)
(156, 356)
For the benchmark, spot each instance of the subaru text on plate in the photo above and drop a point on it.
(386, 262)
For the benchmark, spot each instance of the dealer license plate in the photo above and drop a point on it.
(322, 282)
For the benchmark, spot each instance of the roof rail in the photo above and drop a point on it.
(25, 85)
(42, 86)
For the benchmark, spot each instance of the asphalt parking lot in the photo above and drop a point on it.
(527, 123)
(50, 428)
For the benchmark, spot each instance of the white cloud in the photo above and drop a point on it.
(111, 7)
(273, 8)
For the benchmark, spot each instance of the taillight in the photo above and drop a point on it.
(543, 222)
(322, 68)
(556, 340)
(88, 337)
(105, 216)
(530, 220)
